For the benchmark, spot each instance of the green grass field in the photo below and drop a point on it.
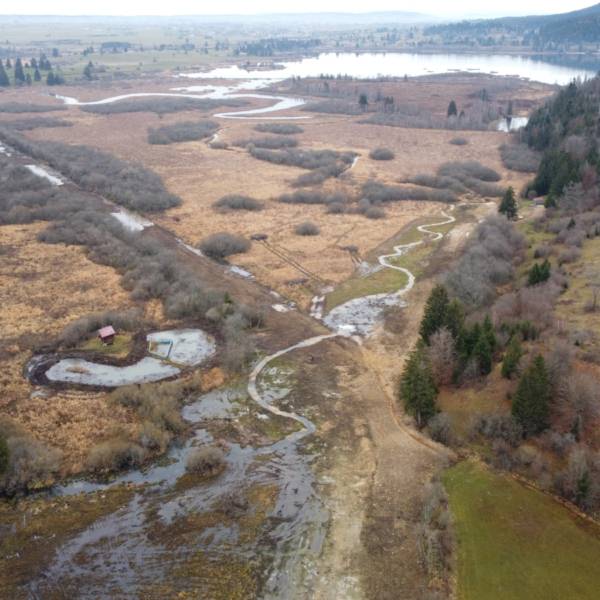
(518, 544)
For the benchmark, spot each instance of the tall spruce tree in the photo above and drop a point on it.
(482, 352)
(452, 109)
(508, 205)
(4, 80)
(417, 386)
(531, 402)
(19, 73)
(435, 315)
(36, 75)
(511, 359)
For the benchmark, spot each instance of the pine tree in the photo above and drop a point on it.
(508, 205)
(28, 79)
(482, 352)
(539, 273)
(513, 355)
(36, 75)
(436, 312)
(8, 64)
(417, 386)
(88, 71)
(363, 101)
(19, 73)
(488, 330)
(455, 318)
(4, 80)
(50, 78)
(33, 63)
(452, 109)
(531, 402)
(4, 455)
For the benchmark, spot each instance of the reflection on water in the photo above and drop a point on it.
(370, 65)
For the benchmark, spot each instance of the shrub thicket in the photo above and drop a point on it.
(221, 245)
(306, 228)
(182, 132)
(279, 128)
(238, 202)
(381, 154)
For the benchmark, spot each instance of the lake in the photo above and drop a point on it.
(369, 65)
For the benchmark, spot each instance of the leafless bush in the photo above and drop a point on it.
(542, 251)
(80, 329)
(459, 141)
(487, 262)
(519, 157)
(182, 132)
(207, 461)
(305, 159)
(128, 184)
(559, 443)
(238, 202)
(270, 143)
(334, 107)
(468, 169)
(499, 427)
(374, 212)
(307, 228)
(381, 154)
(569, 256)
(336, 208)
(279, 128)
(435, 537)
(221, 245)
(36, 123)
(153, 438)
(379, 192)
(219, 145)
(559, 363)
(24, 107)
(115, 455)
(313, 197)
(442, 356)
(582, 398)
(31, 464)
(160, 105)
(440, 428)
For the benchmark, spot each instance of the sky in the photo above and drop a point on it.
(457, 8)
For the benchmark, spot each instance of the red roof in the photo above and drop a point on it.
(106, 331)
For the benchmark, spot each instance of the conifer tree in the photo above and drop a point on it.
(8, 64)
(36, 75)
(50, 78)
(88, 71)
(511, 359)
(417, 386)
(508, 205)
(531, 402)
(539, 273)
(19, 73)
(452, 109)
(4, 80)
(488, 330)
(436, 312)
(482, 352)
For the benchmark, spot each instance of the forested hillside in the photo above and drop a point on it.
(567, 130)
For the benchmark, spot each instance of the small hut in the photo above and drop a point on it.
(107, 335)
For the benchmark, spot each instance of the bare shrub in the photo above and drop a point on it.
(307, 228)
(31, 464)
(36, 123)
(569, 256)
(313, 197)
(182, 132)
(336, 208)
(115, 455)
(582, 399)
(24, 107)
(153, 438)
(542, 251)
(127, 184)
(206, 462)
(499, 427)
(442, 356)
(378, 192)
(519, 157)
(238, 202)
(459, 141)
(468, 169)
(305, 159)
(381, 154)
(80, 329)
(435, 537)
(270, 143)
(221, 245)
(334, 107)
(374, 212)
(219, 145)
(440, 428)
(559, 363)
(160, 105)
(279, 128)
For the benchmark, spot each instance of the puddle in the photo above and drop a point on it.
(187, 347)
(84, 372)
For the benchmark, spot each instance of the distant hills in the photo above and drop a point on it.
(579, 26)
